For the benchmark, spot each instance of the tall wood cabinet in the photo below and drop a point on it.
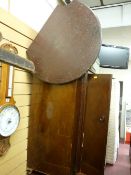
(68, 126)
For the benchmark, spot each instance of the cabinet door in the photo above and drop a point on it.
(96, 124)
(51, 127)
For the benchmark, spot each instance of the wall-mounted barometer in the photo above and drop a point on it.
(9, 113)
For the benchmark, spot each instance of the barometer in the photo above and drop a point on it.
(9, 120)
(9, 114)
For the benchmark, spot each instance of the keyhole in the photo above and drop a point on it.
(102, 119)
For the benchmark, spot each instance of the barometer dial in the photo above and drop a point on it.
(9, 120)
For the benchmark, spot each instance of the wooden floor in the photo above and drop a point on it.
(123, 165)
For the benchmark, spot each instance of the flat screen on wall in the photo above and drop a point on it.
(116, 57)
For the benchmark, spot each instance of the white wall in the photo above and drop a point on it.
(120, 36)
(117, 36)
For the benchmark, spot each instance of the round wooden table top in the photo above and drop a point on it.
(67, 45)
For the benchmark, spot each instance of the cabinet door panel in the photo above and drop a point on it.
(51, 127)
(96, 124)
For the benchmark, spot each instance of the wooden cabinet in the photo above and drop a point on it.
(68, 126)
